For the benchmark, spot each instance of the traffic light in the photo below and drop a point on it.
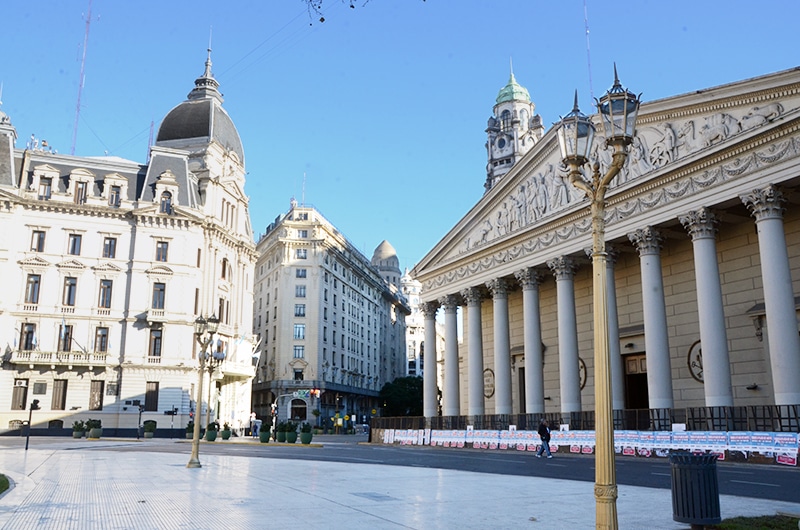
(35, 404)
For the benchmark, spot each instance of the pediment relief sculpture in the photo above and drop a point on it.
(545, 190)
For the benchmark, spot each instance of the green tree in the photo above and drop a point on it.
(402, 397)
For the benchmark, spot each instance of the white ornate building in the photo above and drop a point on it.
(330, 322)
(108, 262)
(703, 232)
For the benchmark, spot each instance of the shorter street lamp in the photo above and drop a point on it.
(204, 330)
(34, 406)
(618, 109)
(212, 361)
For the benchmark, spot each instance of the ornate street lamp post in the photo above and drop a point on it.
(618, 109)
(204, 330)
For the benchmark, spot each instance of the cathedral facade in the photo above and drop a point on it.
(703, 242)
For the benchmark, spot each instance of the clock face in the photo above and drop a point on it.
(695, 361)
(501, 143)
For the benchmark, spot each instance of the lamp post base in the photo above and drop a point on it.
(194, 462)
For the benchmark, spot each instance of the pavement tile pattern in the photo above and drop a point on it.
(71, 486)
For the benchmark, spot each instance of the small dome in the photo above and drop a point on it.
(385, 252)
(513, 91)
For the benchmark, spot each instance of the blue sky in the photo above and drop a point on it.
(383, 107)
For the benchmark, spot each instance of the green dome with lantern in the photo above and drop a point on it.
(513, 91)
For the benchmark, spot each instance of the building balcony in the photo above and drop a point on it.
(156, 316)
(238, 370)
(33, 358)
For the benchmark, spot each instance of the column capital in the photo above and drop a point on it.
(528, 278)
(498, 287)
(449, 302)
(701, 224)
(563, 267)
(472, 295)
(429, 309)
(765, 203)
(647, 240)
(612, 254)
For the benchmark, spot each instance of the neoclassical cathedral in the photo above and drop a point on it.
(109, 262)
(703, 240)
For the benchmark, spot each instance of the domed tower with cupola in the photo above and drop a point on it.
(385, 260)
(200, 128)
(512, 130)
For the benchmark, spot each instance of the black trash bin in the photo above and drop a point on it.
(695, 489)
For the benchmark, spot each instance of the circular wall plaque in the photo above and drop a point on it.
(695, 361)
(582, 372)
(488, 383)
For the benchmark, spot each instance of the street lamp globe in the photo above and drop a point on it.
(213, 324)
(200, 326)
(575, 136)
(618, 109)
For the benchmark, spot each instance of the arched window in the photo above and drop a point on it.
(166, 202)
(224, 272)
(505, 117)
(299, 410)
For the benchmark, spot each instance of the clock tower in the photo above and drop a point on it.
(512, 130)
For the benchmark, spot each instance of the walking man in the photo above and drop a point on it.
(544, 434)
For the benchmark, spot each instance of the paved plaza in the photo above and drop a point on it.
(69, 485)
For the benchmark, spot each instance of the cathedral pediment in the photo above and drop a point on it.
(684, 145)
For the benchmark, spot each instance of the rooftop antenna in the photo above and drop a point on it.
(303, 196)
(588, 55)
(150, 141)
(80, 84)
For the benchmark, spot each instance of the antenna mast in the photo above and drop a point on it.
(588, 56)
(150, 141)
(80, 84)
(303, 197)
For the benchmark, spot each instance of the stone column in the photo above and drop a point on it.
(617, 369)
(475, 405)
(430, 400)
(451, 393)
(502, 347)
(782, 337)
(568, 365)
(702, 226)
(530, 279)
(659, 374)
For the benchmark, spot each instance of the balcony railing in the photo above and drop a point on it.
(156, 315)
(759, 418)
(36, 357)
